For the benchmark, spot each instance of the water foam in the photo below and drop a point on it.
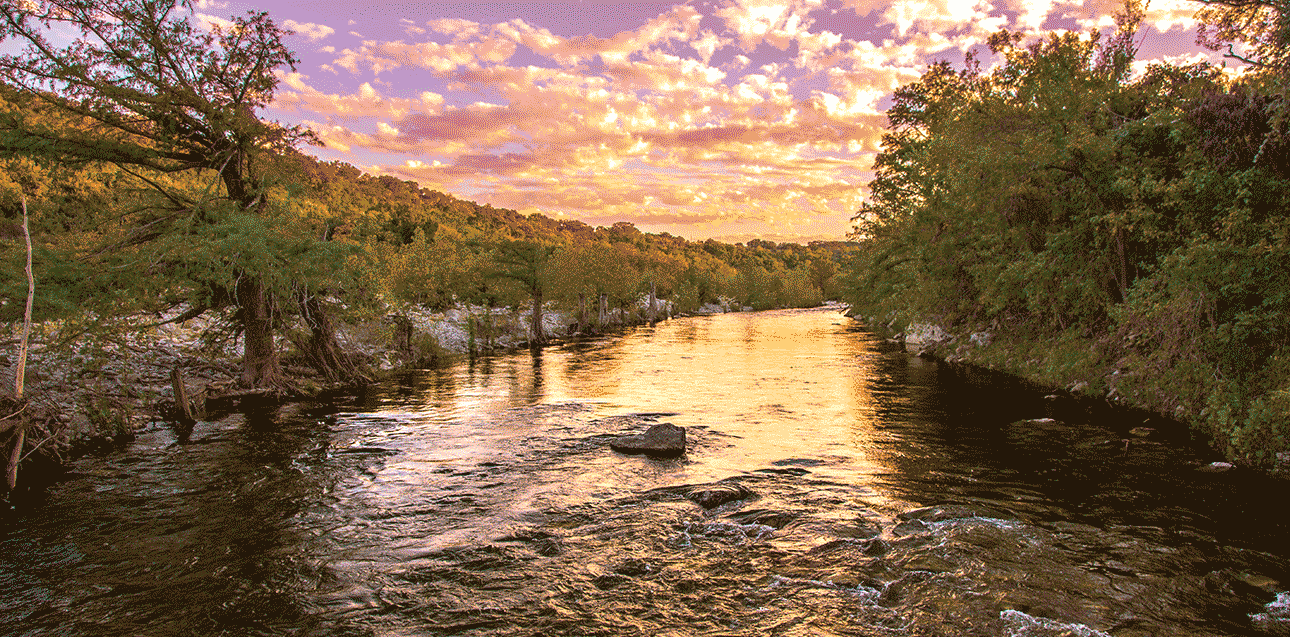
(1276, 611)
(729, 531)
(1019, 624)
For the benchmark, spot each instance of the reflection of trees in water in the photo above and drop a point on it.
(440, 387)
(593, 369)
(253, 517)
(534, 393)
(965, 434)
(750, 324)
(195, 539)
(941, 429)
(691, 331)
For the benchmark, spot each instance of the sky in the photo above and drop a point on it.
(725, 119)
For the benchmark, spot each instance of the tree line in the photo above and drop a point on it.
(154, 186)
(1121, 224)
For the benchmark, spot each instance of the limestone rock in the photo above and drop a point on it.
(664, 439)
(920, 337)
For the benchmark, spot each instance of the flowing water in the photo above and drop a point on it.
(886, 495)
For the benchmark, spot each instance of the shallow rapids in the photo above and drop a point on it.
(888, 496)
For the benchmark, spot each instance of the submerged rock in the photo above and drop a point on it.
(909, 527)
(634, 567)
(942, 512)
(1043, 424)
(765, 517)
(663, 439)
(711, 497)
(1218, 467)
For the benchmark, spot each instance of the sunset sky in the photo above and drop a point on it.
(730, 119)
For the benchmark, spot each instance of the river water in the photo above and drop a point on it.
(889, 496)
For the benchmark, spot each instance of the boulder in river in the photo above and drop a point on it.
(664, 439)
(715, 495)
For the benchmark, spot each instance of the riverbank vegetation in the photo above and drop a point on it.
(155, 196)
(1114, 227)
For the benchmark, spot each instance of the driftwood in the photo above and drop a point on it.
(20, 373)
(184, 413)
(14, 456)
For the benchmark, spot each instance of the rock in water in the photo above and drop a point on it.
(713, 496)
(1217, 467)
(659, 440)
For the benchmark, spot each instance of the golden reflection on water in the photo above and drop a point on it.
(755, 391)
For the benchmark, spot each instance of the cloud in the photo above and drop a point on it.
(209, 22)
(756, 113)
(680, 23)
(366, 102)
(459, 29)
(309, 30)
(775, 22)
(945, 16)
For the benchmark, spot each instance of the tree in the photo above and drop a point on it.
(152, 94)
(528, 264)
(1262, 27)
(823, 271)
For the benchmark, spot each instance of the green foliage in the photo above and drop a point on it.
(1130, 224)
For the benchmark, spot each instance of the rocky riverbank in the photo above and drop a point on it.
(1086, 370)
(94, 387)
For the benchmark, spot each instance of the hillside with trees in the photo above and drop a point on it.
(1120, 233)
(144, 190)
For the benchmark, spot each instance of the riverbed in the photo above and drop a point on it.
(890, 495)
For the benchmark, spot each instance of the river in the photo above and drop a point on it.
(890, 496)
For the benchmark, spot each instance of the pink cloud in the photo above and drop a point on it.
(758, 113)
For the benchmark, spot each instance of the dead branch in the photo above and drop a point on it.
(20, 374)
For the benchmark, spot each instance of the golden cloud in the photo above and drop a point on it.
(646, 124)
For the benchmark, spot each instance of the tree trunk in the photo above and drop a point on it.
(602, 310)
(403, 337)
(323, 350)
(538, 337)
(261, 368)
(653, 304)
(582, 312)
(184, 412)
